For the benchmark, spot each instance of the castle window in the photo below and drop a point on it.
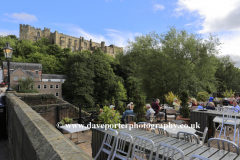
(52, 41)
(38, 34)
(38, 86)
(57, 94)
(72, 49)
(15, 78)
(85, 45)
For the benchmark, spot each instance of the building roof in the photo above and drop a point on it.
(53, 76)
(28, 73)
(23, 66)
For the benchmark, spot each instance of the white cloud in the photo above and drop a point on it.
(5, 32)
(157, 7)
(215, 15)
(20, 17)
(111, 36)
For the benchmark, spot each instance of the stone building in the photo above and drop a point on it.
(76, 44)
(45, 83)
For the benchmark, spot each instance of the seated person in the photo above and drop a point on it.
(201, 104)
(156, 107)
(129, 111)
(235, 105)
(149, 111)
(194, 104)
(211, 106)
(230, 100)
(176, 104)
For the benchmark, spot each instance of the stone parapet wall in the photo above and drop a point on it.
(32, 137)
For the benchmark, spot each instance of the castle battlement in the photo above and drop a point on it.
(28, 32)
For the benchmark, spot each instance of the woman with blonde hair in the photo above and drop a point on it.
(194, 102)
(211, 106)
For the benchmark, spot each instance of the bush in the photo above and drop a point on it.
(184, 110)
(66, 120)
(170, 98)
(139, 106)
(109, 116)
(121, 107)
(202, 96)
(228, 93)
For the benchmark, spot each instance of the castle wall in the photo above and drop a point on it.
(75, 44)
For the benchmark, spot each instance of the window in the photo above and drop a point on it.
(57, 87)
(109, 50)
(15, 78)
(52, 41)
(36, 71)
(51, 86)
(45, 86)
(38, 34)
(57, 94)
(72, 49)
(24, 78)
(38, 86)
(67, 45)
(85, 45)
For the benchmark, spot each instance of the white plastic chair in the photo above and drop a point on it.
(121, 144)
(230, 121)
(139, 146)
(218, 120)
(204, 133)
(161, 131)
(107, 142)
(198, 157)
(143, 125)
(164, 149)
(188, 137)
(229, 143)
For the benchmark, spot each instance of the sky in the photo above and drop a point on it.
(117, 21)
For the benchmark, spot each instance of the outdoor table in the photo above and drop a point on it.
(204, 119)
(187, 147)
(173, 131)
(75, 128)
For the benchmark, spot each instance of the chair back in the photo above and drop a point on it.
(162, 131)
(139, 148)
(143, 125)
(166, 151)
(220, 109)
(128, 119)
(191, 137)
(108, 144)
(229, 143)
(230, 114)
(123, 141)
(198, 157)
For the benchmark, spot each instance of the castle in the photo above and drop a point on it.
(76, 44)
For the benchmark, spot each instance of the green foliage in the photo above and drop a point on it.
(109, 116)
(170, 98)
(228, 93)
(66, 120)
(208, 89)
(202, 96)
(121, 107)
(139, 108)
(26, 86)
(184, 110)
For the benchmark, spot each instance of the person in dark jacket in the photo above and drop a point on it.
(211, 106)
(156, 107)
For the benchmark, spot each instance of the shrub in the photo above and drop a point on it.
(170, 98)
(109, 116)
(139, 106)
(121, 107)
(66, 120)
(184, 110)
(202, 96)
(228, 93)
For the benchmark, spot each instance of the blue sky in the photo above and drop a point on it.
(116, 21)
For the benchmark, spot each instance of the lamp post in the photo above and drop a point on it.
(8, 55)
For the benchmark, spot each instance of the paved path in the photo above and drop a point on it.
(4, 151)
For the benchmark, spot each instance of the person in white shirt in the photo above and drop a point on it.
(149, 111)
(235, 105)
(176, 104)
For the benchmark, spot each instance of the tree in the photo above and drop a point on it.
(26, 86)
(79, 85)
